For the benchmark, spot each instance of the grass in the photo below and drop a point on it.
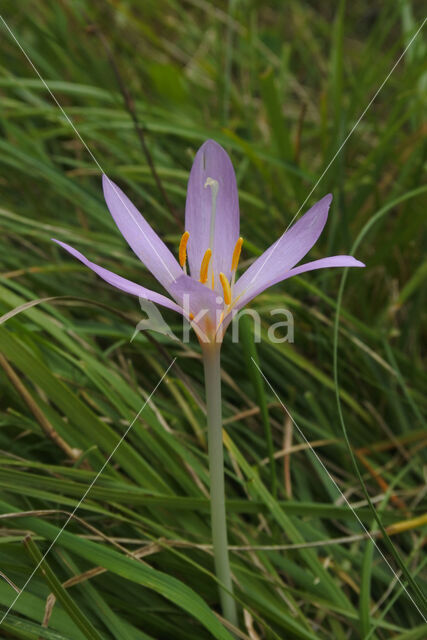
(280, 86)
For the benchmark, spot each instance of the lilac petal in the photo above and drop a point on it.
(195, 296)
(198, 300)
(287, 251)
(212, 161)
(119, 282)
(139, 235)
(323, 263)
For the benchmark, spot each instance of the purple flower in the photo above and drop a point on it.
(210, 294)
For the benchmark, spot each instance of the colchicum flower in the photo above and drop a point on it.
(209, 295)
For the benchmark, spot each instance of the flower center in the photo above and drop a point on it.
(207, 276)
(206, 269)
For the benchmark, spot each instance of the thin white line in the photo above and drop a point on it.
(70, 122)
(343, 495)
(88, 489)
(342, 145)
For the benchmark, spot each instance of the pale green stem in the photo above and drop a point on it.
(211, 361)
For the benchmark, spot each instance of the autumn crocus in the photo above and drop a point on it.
(203, 286)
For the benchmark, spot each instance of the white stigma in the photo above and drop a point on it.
(214, 185)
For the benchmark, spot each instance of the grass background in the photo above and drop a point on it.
(280, 85)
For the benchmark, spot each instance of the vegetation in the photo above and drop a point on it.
(280, 86)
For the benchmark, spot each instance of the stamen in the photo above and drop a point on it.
(235, 262)
(183, 248)
(205, 265)
(236, 254)
(213, 281)
(226, 288)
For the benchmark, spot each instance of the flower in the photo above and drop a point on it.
(209, 295)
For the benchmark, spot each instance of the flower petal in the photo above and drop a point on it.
(323, 263)
(194, 296)
(287, 251)
(212, 161)
(119, 282)
(139, 235)
(199, 301)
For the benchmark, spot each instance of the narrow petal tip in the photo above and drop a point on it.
(344, 261)
(110, 188)
(106, 183)
(326, 201)
(210, 142)
(71, 250)
(61, 244)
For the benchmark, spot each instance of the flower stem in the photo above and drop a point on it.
(212, 366)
